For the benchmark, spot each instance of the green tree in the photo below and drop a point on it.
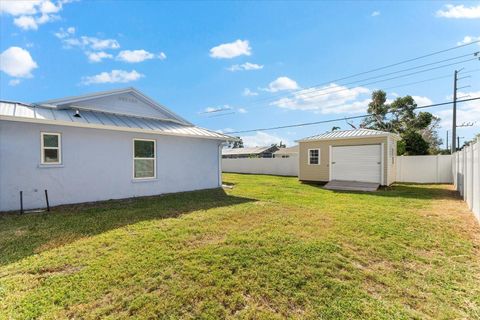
(236, 144)
(417, 130)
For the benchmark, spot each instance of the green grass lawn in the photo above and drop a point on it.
(270, 248)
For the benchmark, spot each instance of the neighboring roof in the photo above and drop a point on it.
(349, 134)
(69, 102)
(289, 150)
(241, 151)
(23, 112)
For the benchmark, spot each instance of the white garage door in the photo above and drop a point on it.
(357, 163)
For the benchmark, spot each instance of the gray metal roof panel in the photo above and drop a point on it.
(98, 119)
(347, 134)
(238, 151)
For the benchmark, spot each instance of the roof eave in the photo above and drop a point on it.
(353, 137)
(107, 127)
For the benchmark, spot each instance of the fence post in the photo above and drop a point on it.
(476, 180)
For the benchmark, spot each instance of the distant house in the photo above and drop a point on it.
(353, 155)
(257, 152)
(286, 152)
(106, 145)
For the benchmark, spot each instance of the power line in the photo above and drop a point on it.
(387, 66)
(388, 79)
(310, 90)
(386, 88)
(344, 118)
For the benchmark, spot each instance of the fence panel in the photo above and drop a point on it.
(274, 166)
(425, 169)
(467, 176)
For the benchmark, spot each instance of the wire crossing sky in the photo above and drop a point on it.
(232, 66)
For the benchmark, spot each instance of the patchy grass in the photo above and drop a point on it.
(269, 248)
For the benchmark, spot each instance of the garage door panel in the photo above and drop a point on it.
(357, 163)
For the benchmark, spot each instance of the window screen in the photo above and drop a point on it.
(144, 159)
(51, 153)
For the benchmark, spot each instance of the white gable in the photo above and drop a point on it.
(126, 102)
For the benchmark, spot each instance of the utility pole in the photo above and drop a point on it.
(454, 116)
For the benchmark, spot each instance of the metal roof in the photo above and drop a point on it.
(14, 111)
(73, 99)
(348, 134)
(289, 150)
(240, 151)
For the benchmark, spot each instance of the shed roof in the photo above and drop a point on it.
(242, 151)
(14, 111)
(349, 134)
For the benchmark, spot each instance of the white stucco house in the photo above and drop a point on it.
(106, 145)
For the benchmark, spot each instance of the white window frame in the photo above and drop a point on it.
(154, 159)
(308, 155)
(42, 148)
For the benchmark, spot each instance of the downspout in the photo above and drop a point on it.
(220, 147)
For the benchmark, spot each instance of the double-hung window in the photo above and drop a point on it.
(313, 156)
(144, 159)
(51, 148)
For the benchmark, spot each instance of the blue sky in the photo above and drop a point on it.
(251, 60)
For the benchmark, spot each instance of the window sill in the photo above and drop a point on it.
(145, 180)
(45, 166)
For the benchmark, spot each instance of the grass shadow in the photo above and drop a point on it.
(402, 190)
(28, 234)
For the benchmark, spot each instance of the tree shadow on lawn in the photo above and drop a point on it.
(31, 233)
(404, 190)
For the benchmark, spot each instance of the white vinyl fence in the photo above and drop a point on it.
(466, 173)
(274, 166)
(425, 169)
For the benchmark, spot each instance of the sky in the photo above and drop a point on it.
(234, 66)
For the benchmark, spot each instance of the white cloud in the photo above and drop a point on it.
(16, 8)
(98, 56)
(262, 139)
(330, 99)
(375, 13)
(249, 93)
(114, 76)
(14, 82)
(231, 50)
(468, 39)
(225, 130)
(281, 84)
(217, 109)
(466, 111)
(17, 62)
(247, 66)
(422, 101)
(62, 34)
(100, 44)
(30, 14)
(135, 56)
(84, 42)
(26, 23)
(242, 110)
(459, 12)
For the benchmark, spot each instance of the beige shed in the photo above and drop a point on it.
(352, 155)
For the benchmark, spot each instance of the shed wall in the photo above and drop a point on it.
(321, 172)
(98, 165)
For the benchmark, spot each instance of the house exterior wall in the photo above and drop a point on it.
(126, 103)
(98, 165)
(321, 172)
